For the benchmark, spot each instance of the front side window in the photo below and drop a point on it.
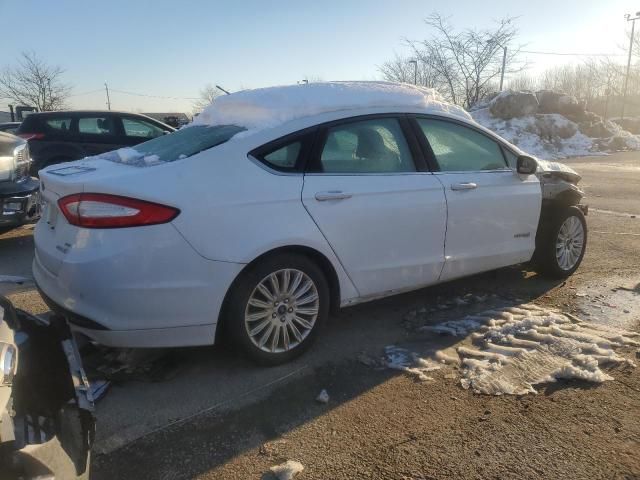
(97, 125)
(140, 129)
(461, 149)
(369, 146)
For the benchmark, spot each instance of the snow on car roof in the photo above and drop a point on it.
(269, 107)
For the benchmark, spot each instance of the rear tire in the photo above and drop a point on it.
(277, 308)
(561, 243)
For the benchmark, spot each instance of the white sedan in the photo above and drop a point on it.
(277, 205)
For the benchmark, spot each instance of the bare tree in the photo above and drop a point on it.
(400, 69)
(523, 82)
(34, 83)
(207, 95)
(462, 65)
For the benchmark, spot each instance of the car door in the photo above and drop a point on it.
(383, 217)
(98, 133)
(492, 211)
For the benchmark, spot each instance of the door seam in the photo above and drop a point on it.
(446, 227)
(328, 242)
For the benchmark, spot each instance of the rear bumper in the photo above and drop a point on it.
(150, 337)
(134, 296)
(19, 202)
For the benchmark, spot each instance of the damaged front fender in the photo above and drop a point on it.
(559, 183)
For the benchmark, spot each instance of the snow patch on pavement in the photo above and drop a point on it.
(508, 351)
(287, 470)
(409, 362)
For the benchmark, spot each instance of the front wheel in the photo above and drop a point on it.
(276, 308)
(562, 243)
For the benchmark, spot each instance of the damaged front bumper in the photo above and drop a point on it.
(46, 409)
(19, 202)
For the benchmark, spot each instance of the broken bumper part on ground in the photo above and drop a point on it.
(46, 424)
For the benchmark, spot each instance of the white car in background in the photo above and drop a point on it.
(279, 204)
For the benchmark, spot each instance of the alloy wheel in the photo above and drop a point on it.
(282, 310)
(569, 243)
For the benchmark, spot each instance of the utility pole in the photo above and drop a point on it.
(108, 100)
(504, 63)
(415, 71)
(626, 78)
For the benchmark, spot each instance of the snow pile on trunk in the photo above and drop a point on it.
(551, 125)
(510, 350)
(268, 107)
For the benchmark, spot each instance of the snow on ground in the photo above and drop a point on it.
(510, 350)
(524, 133)
(287, 470)
(402, 359)
(268, 107)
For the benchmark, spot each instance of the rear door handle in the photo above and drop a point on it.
(332, 195)
(464, 186)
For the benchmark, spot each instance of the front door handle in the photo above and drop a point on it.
(464, 186)
(332, 195)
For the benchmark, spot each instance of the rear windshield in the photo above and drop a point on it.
(174, 146)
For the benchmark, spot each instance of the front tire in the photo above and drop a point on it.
(562, 243)
(276, 309)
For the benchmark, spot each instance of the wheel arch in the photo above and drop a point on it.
(316, 256)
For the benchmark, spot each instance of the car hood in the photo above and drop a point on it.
(557, 169)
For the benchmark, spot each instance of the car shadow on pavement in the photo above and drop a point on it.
(242, 416)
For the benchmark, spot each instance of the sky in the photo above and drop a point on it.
(165, 48)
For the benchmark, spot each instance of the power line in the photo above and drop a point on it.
(85, 93)
(574, 54)
(151, 96)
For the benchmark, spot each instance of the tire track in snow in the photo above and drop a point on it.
(509, 351)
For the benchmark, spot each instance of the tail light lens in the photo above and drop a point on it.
(98, 210)
(31, 136)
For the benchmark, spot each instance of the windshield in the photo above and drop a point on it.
(175, 146)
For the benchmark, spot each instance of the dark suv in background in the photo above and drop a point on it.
(56, 137)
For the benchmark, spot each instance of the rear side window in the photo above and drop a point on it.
(62, 124)
(461, 149)
(140, 129)
(175, 146)
(97, 125)
(284, 157)
(370, 146)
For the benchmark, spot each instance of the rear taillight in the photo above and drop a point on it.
(98, 210)
(31, 136)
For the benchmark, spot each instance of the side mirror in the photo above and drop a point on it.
(526, 165)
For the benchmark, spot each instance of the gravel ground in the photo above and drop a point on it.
(383, 424)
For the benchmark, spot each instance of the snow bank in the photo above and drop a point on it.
(534, 135)
(510, 350)
(268, 107)
(551, 125)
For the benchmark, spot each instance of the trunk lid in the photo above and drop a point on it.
(54, 236)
